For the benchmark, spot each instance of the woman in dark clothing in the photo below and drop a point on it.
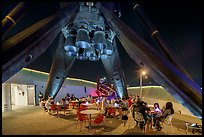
(168, 111)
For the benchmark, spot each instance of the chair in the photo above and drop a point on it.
(73, 104)
(82, 107)
(167, 121)
(139, 118)
(98, 120)
(111, 111)
(81, 118)
(93, 101)
(53, 109)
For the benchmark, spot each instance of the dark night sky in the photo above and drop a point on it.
(180, 24)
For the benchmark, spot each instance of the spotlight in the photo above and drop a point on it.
(89, 51)
(94, 56)
(81, 54)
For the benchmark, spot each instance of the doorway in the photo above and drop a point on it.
(31, 94)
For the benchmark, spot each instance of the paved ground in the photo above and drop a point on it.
(33, 121)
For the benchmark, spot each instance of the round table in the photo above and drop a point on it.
(89, 105)
(150, 106)
(90, 112)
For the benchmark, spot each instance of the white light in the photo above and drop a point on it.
(115, 104)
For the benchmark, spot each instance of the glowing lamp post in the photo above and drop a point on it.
(142, 73)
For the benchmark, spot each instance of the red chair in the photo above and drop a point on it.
(111, 111)
(54, 109)
(73, 104)
(78, 113)
(93, 101)
(98, 120)
(81, 118)
(82, 107)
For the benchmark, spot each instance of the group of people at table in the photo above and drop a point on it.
(152, 114)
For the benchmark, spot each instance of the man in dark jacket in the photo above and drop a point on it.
(142, 108)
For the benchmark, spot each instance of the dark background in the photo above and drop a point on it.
(180, 24)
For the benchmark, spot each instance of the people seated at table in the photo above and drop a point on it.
(168, 111)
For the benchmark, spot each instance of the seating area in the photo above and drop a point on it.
(67, 124)
(102, 116)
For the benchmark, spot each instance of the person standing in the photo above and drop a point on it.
(142, 108)
(123, 108)
(48, 103)
(105, 105)
(40, 96)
